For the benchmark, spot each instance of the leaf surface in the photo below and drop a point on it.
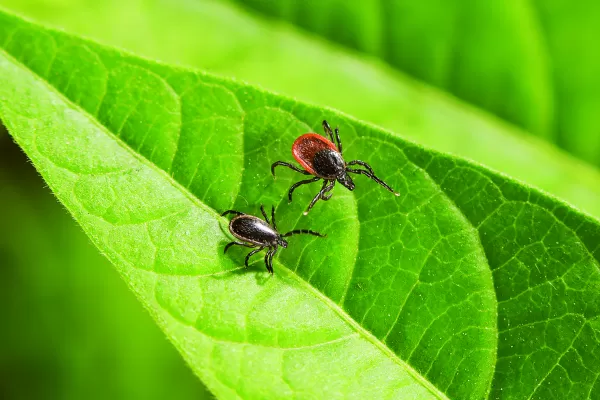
(467, 285)
(74, 329)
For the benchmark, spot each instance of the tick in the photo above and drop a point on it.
(322, 159)
(255, 233)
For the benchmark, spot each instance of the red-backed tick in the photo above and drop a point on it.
(321, 158)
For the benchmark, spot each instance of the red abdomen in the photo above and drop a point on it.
(306, 146)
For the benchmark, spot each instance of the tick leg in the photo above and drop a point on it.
(327, 130)
(273, 217)
(372, 176)
(233, 243)
(304, 182)
(251, 254)
(231, 212)
(262, 210)
(269, 259)
(339, 141)
(319, 195)
(291, 166)
(364, 164)
(327, 193)
(303, 231)
(268, 253)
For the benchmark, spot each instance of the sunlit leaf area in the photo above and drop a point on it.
(129, 127)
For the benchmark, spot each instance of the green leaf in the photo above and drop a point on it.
(468, 285)
(532, 64)
(75, 330)
(278, 57)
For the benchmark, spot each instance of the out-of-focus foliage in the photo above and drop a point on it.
(533, 63)
(70, 327)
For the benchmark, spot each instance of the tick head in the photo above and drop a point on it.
(346, 181)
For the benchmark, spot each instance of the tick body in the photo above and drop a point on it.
(321, 158)
(255, 233)
(318, 156)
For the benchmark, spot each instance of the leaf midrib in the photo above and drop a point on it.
(291, 274)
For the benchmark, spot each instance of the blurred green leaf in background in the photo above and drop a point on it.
(75, 330)
(533, 63)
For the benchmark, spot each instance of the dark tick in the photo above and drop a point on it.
(322, 159)
(255, 233)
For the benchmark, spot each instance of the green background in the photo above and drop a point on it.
(518, 73)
